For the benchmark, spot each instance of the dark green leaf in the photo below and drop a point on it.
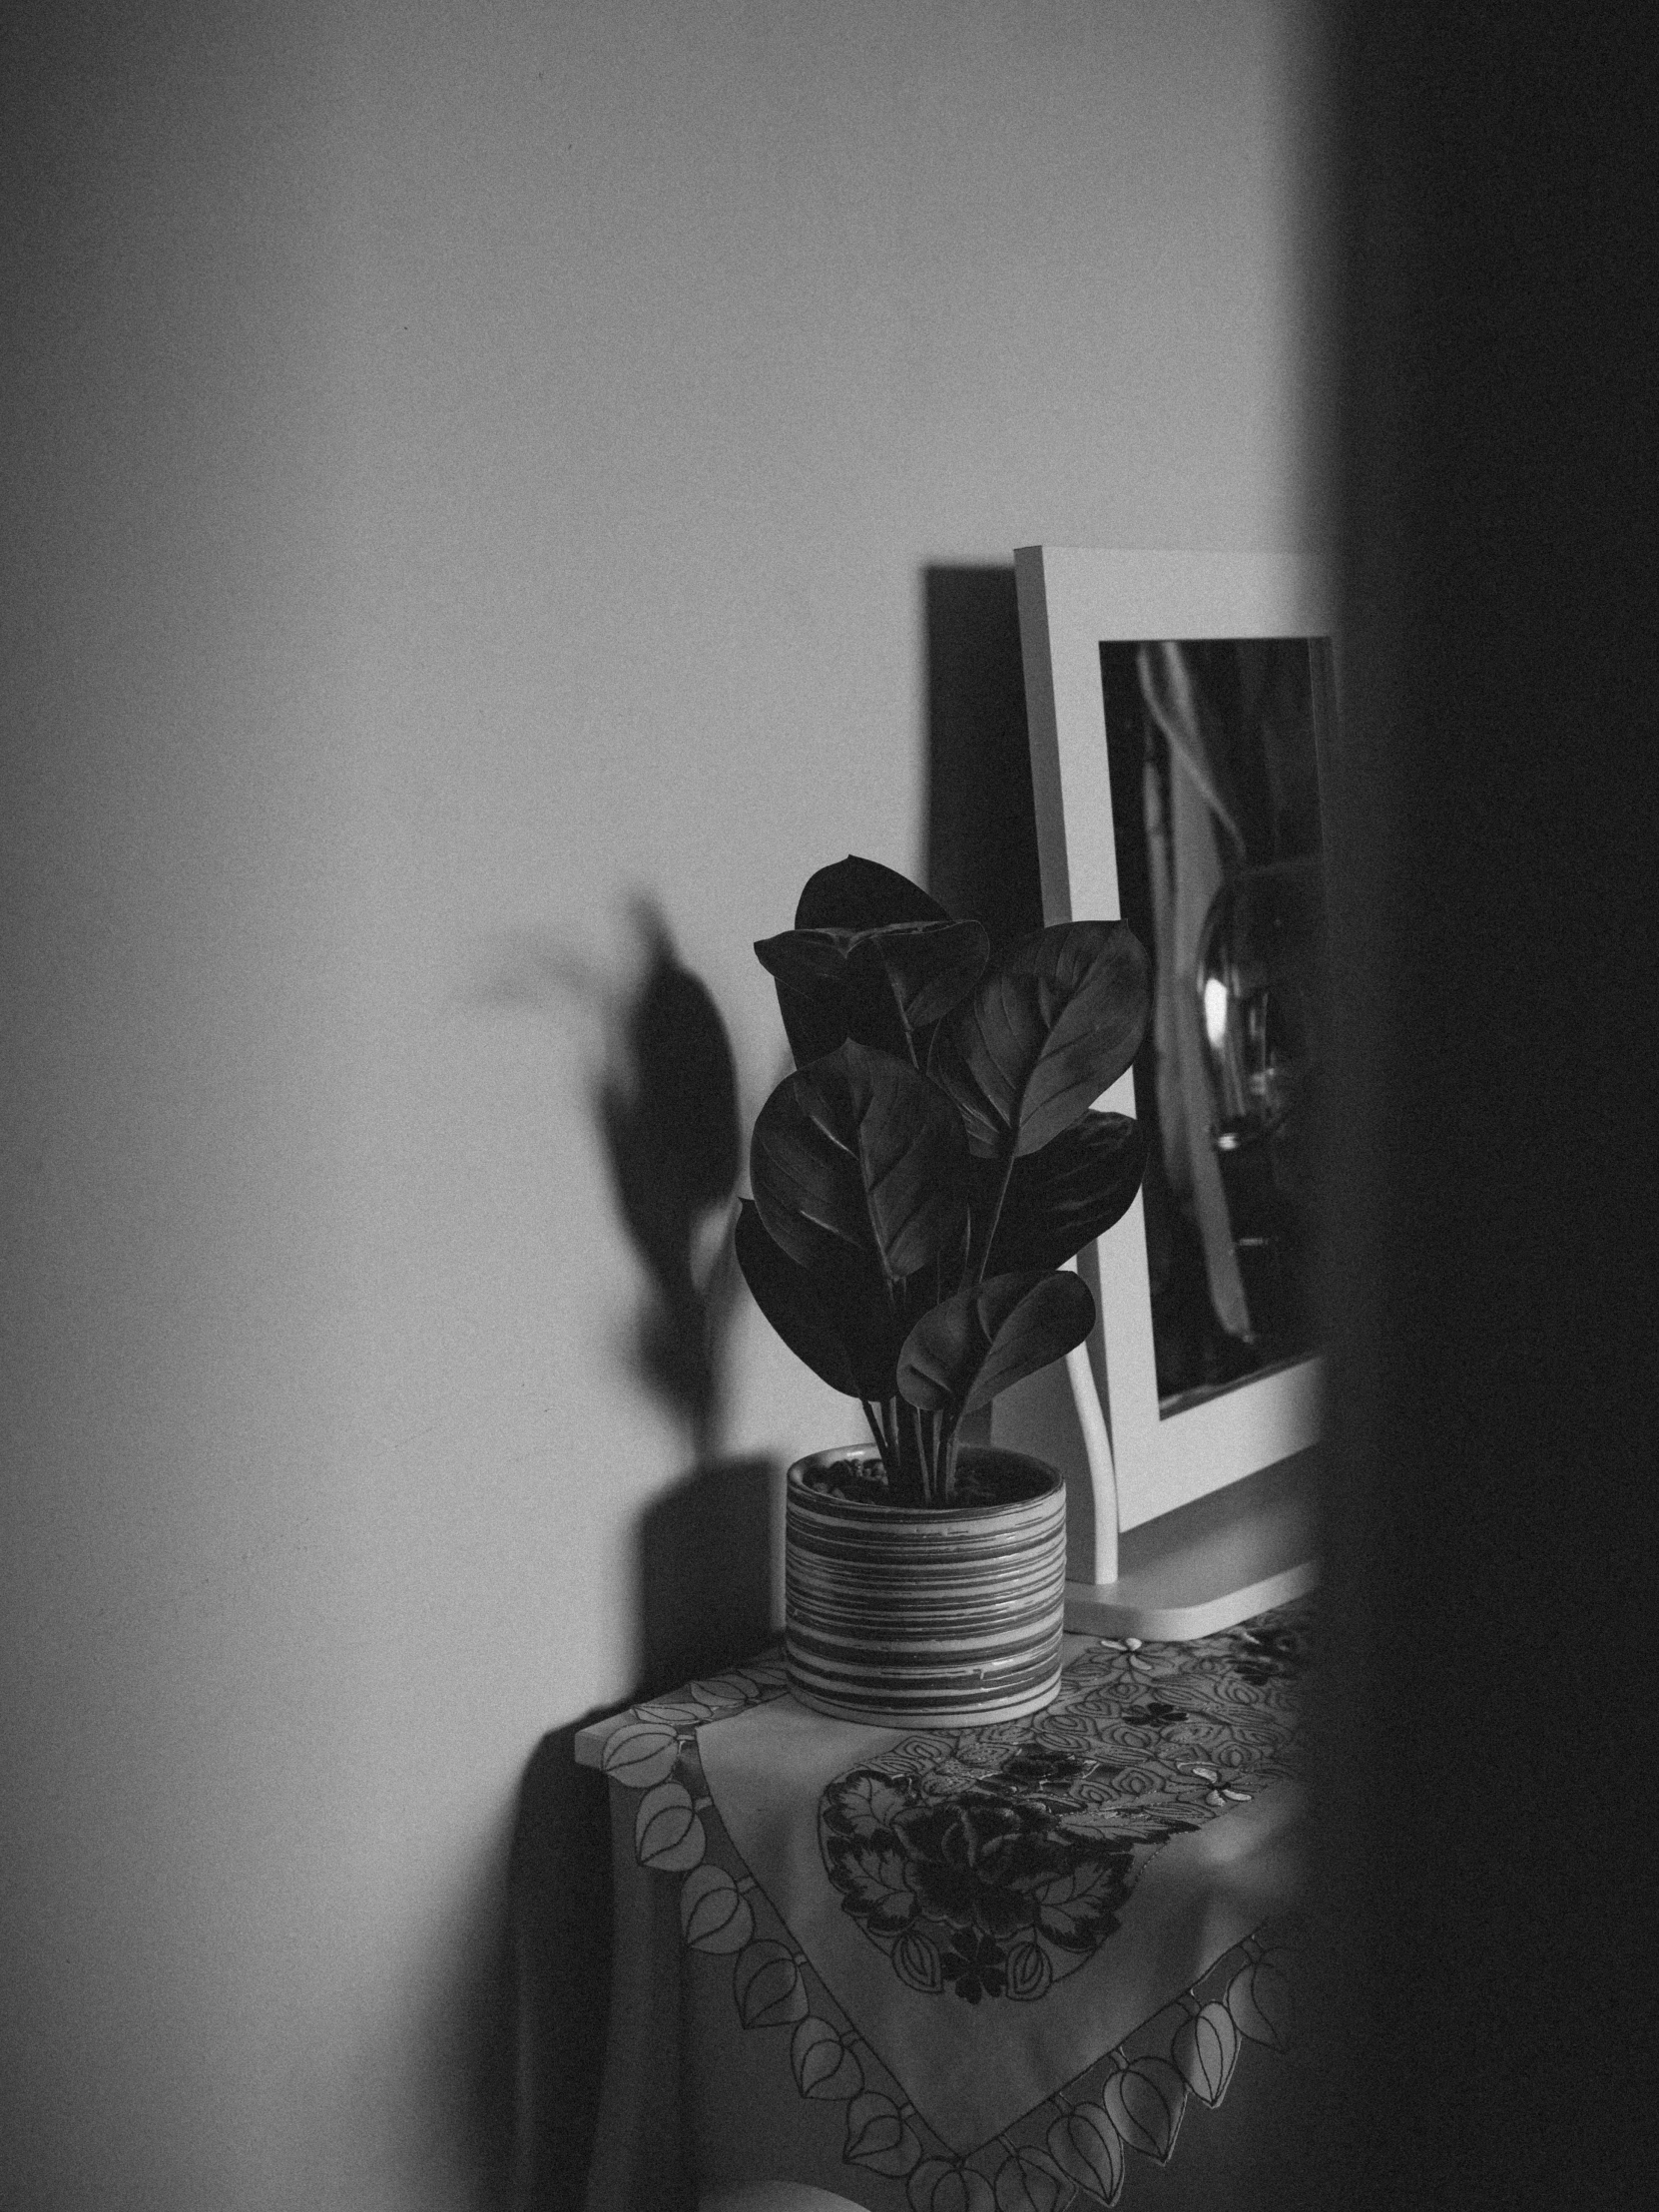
(808, 959)
(814, 997)
(977, 1342)
(837, 1321)
(925, 968)
(1055, 1020)
(1062, 1198)
(863, 894)
(826, 993)
(879, 985)
(857, 1151)
(814, 1022)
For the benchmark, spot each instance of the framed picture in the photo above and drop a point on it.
(1181, 707)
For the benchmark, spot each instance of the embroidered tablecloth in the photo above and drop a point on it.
(998, 1959)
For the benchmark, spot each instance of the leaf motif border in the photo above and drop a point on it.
(1135, 2098)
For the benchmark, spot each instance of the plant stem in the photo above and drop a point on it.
(904, 1483)
(880, 1436)
(927, 1498)
(899, 1009)
(996, 1216)
(948, 1437)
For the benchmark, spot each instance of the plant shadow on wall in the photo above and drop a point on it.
(669, 1111)
(666, 1109)
(666, 1106)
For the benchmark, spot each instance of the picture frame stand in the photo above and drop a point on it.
(1214, 1561)
(1180, 708)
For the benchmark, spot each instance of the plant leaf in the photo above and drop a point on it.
(878, 983)
(837, 1319)
(863, 894)
(813, 1024)
(1054, 1021)
(858, 1154)
(1063, 1197)
(962, 1353)
(925, 968)
(808, 959)
(785, 1295)
(809, 967)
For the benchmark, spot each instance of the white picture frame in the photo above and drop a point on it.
(1145, 1461)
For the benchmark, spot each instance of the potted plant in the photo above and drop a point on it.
(920, 1180)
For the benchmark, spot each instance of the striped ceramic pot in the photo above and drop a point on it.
(909, 1616)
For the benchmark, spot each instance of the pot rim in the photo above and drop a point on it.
(881, 1509)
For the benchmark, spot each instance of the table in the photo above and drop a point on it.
(933, 1969)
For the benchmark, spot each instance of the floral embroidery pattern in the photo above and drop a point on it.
(994, 1862)
(1152, 1701)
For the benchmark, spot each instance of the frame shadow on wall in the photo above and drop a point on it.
(981, 827)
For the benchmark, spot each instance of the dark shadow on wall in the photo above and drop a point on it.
(981, 822)
(664, 1097)
(666, 1105)
(668, 1115)
(466, 2098)
(559, 1939)
(707, 1552)
(707, 1548)
(705, 1583)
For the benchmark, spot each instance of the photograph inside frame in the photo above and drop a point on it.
(1214, 749)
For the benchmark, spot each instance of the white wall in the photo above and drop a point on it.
(468, 466)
